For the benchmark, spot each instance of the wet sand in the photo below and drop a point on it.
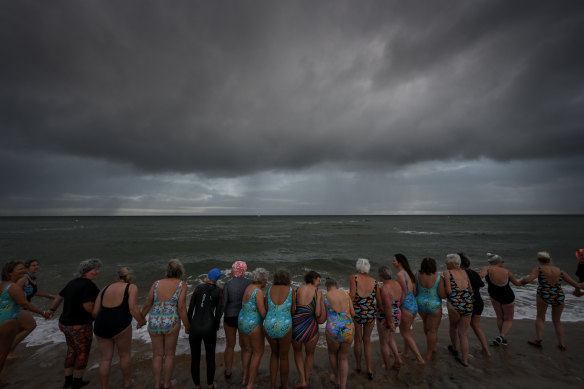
(518, 365)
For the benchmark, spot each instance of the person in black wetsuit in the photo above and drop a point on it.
(204, 313)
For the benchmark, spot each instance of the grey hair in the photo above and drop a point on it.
(385, 272)
(453, 259)
(363, 265)
(175, 269)
(88, 265)
(544, 257)
(258, 275)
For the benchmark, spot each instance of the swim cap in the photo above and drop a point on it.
(239, 268)
(580, 256)
(214, 274)
(494, 258)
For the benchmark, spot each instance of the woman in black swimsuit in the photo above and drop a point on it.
(502, 296)
(113, 311)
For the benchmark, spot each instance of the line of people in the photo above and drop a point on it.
(283, 316)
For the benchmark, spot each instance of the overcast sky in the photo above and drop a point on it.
(291, 107)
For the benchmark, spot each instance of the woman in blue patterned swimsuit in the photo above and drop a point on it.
(409, 306)
(168, 300)
(280, 303)
(549, 292)
(364, 291)
(430, 292)
(250, 319)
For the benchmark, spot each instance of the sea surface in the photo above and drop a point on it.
(329, 245)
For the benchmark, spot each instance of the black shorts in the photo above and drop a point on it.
(231, 321)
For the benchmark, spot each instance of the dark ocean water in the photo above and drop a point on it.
(328, 244)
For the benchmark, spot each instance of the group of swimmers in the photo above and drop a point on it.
(283, 316)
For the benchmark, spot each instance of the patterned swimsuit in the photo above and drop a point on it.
(278, 319)
(427, 298)
(364, 306)
(460, 299)
(249, 317)
(304, 325)
(164, 315)
(339, 326)
(551, 294)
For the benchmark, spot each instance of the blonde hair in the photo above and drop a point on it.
(125, 274)
(544, 257)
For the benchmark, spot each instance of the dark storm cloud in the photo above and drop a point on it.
(229, 88)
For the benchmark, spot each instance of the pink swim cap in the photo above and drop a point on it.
(239, 268)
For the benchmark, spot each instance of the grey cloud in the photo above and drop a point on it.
(232, 88)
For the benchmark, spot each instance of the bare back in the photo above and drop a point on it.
(338, 300)
(427, 280)
(114, 294)
(166, 288)
(305, 294)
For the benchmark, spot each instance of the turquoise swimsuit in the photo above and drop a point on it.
(249, 316)
(409, 303)
(278, 319)
(9, 310)
(428, 299)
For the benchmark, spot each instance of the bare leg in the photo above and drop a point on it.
(556, 315)
(384, 345)
(367, 330)
(106, 348)
(431, 329)
(26, 324)
(404, 328)
(508, 312)
(463, 325)
(170, 341)
(124, 342)
(8, 331)
(299, 362)
(540, 318)
(333, 349)
(310, 349)
(157, 358)
(245, 356)
(453, 323)
(274, 347)
(475, 323)
(257, 346)
(283, 349)
(499, 312)
(343, 364)
(357, 347)
(393, 348)
(230, 338)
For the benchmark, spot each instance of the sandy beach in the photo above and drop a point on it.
(517, 365)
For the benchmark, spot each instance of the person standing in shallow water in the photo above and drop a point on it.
(364, 292)
(409, 305)
(204, 313)
(76, 320)
(167, 299)
(280, 303)
(232, 300)
(114, 308)
(26, 321)
(549, 292)
(429, 295)
(308, 314)
(502, 296)
(477, 303)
